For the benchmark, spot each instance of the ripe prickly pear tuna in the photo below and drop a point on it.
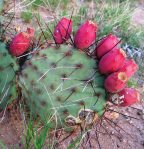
(21, 42)
(115, 82)
(128, 96)
(107, 44)
(129, 67)
(112, 61)
(85, 35)
(63, 30)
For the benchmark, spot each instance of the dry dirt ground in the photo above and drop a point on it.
(131, 137)
(11, 123)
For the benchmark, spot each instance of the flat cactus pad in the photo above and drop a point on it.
(8, 68)
(62, 84)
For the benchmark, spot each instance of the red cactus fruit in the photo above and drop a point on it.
(115, 82)
(128, 96)
(107, 44)
(62, 30)
(112, 61)
(85, 35)
(129, 67)
(21, 42)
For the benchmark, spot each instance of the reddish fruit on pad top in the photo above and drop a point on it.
(85, 35)
(115, 82)
(112, 61)
(128, 96)
(21, 42)
(62, 30)
(129, 67)
(108, 43)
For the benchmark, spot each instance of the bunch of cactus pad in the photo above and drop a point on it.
(62, 85)
(65, 85)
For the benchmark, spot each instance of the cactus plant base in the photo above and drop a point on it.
(60, 84)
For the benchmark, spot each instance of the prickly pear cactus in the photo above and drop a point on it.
(63, 86)
(8, 69)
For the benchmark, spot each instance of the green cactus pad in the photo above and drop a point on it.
(8, 68)
(59, 82)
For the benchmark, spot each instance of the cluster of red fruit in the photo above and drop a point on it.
(118, 69)
(112, 59)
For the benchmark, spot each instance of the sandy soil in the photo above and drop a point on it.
(113, 137)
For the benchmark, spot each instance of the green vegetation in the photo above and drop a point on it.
(132, 83)
(1, 5)
(26, 16)
(35, 135)
(2, 145)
